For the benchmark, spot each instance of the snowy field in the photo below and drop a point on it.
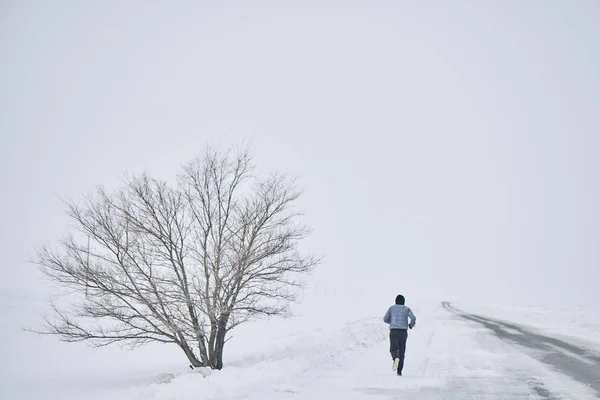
(306, 357)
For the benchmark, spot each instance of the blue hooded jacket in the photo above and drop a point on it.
(397, 316)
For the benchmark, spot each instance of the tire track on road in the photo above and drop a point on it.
(579, 363)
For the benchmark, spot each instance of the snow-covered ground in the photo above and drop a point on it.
(306, 357)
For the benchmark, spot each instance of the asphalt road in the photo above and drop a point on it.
(580, 363)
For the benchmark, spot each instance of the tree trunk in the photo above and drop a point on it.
(191, 356)
(203, 353)
(211, 342)
(217, 361)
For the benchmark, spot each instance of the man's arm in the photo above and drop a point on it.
(413, 319)
(387, 316)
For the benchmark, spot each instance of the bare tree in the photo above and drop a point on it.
(181, 263)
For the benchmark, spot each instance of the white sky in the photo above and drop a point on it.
(448, 150)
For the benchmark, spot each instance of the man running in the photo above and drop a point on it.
(397, 316)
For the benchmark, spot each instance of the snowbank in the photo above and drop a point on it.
(294, 348)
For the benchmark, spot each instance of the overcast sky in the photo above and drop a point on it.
(448, 150)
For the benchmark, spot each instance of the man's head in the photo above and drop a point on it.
(400, 299)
